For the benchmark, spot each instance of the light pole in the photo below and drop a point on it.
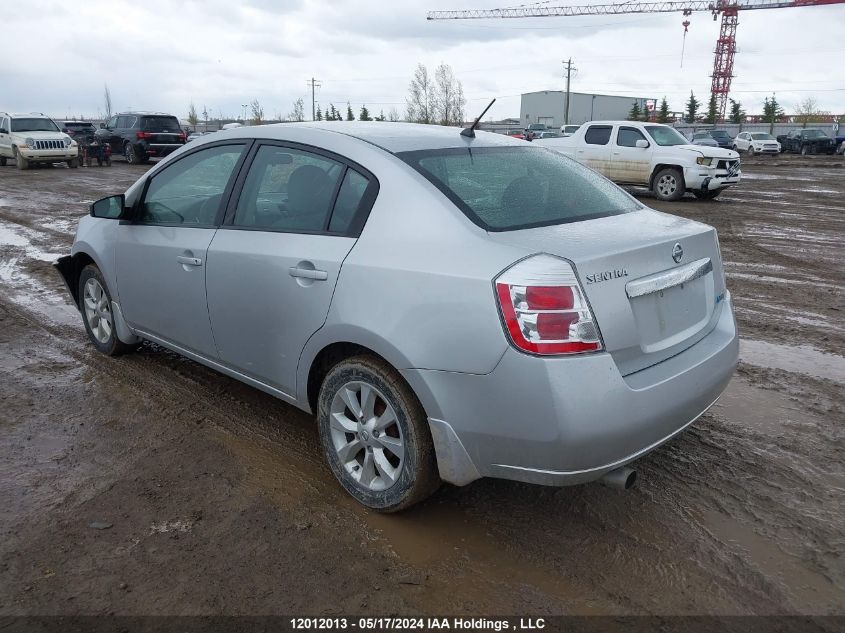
(592, 102)
(244, 106)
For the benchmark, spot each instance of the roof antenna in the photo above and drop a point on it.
(470, 131)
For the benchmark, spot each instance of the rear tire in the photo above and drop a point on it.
(804, 150)
(73, 163)
(95, 305)
(375, 435)
(131, 154)
(669, 184)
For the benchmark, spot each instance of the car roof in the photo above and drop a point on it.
(391, 136)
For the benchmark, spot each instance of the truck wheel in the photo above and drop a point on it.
(73, 163)
(804, 150)
(751, 150)
(20, 161)
(669, 184)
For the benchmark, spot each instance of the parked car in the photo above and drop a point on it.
(651, 155)
(450, 308)
(722, 138)
(840, 144)
(548, 134)
(568, 130)
(77, 129)
(807, 141)
(34, 138)
(756, 143)
(520, 134)
(139, 136)
(703, 138)
(536, 129)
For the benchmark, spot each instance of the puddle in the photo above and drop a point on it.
(799, 359)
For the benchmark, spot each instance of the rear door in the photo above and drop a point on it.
(630, 164)
(595, 150)
(273, 266)
(161, 255)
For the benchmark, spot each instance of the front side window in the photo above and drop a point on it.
(34, 124)
(665, 136)
(597, 135)
(288, 190)
(814, 134)
(628, 137)
(190, 190)
(512, 188)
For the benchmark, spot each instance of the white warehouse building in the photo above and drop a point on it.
(549, 107)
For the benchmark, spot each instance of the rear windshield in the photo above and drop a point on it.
(33, 125)
(160, 123)
(511, 188)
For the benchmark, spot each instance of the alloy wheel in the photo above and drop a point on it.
(667, 185)
(366, 435)
(97, 310)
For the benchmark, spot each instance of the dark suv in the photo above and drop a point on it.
(139, 136)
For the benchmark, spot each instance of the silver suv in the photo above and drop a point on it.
(449, 306)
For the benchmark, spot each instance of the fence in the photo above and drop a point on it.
(688, 129)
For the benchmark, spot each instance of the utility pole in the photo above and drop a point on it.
(569, 70)
(314, 84)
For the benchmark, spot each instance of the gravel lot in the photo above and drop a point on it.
(150, 484)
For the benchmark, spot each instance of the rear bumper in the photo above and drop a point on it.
(160, 149)
(562, 421)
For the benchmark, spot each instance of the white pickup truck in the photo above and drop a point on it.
(650, 155)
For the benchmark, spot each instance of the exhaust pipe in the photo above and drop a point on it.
(620, 478)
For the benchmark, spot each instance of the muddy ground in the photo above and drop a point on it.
(211, 497)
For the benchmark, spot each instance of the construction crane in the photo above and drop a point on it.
(725, 45)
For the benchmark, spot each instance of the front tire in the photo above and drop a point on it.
(20, 162)
(375, 435)
(669, 184)
(751, 151)
(95, 305)
(73, 163)
(804, 150)
(3, 160)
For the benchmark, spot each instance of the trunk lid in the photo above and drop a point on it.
(648, 306)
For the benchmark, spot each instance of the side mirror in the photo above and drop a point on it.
(3, 130)
(111, 208)
(642, 143)
(102, 126)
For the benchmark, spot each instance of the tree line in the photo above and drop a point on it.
(807, 112)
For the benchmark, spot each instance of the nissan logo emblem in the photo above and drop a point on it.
(677, 252)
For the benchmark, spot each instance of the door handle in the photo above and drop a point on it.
(308, 273)
(189, 261)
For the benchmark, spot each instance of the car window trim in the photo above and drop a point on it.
(629, 128)
(362, 213)
(599, 126)
(227, 191)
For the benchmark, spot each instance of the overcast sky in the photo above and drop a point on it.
(164, 54)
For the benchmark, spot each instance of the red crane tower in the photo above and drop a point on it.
(725, 46)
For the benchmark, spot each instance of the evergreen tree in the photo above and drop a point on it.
(737, 115)
(349, 115)
(365, 114)
(381, 117)
(712, 111)
(772, 111)
(635, 114)
(692, 108)
(663, 112)
(319, 114)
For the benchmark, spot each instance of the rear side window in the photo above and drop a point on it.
(597, 135)
(288, 190)
(511, 188)
(349, 200)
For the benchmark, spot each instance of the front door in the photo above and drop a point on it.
(5, 138)
(630, 164)
(161, 256)
(272, 267)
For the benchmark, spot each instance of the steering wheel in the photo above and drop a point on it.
(166, 209)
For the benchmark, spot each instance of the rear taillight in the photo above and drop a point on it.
(544, 309)
(182, 136)
(142, 135)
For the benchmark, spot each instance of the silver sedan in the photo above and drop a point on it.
(450, 306)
